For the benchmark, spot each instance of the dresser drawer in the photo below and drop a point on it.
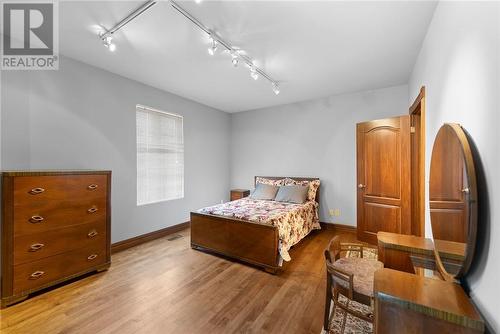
(32, 247)
(58, 214)
(33, 275)
(37, 191)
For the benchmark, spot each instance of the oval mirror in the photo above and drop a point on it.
(453, 201)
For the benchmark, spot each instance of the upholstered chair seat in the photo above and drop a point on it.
(363, 271)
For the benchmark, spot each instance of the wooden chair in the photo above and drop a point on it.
(350, 276)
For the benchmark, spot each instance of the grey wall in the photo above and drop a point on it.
(84, 117)
(312, 138)
(459, 65)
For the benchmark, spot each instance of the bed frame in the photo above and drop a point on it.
(239, 239)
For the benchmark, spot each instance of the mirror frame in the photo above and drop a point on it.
(471, 200)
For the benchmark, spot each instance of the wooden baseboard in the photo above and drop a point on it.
(339, 227)
(140, 239)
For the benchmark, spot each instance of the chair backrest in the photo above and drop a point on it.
(336, 278)
(332, 253)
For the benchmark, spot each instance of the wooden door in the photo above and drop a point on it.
(383, 173)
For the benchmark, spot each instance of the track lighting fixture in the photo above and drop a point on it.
(235, 59)
(107, 35)
(253, 73)
(108, 42)
(213, 48)
(276, 88)
(107, 38)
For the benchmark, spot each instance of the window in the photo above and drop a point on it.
(160, 156)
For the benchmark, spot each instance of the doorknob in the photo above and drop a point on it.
(361, 186)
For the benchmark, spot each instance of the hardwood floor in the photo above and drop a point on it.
(166, 287)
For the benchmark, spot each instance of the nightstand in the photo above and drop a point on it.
(239, 193)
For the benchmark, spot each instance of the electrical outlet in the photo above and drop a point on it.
(334, 212)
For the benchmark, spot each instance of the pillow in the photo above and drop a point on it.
(313, 186)
(313, 189)
(292, 182)
(292, 194)
(264, 191)
(263, 180)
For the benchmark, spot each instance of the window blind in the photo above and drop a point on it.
(160, 156)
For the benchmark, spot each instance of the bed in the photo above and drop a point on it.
(258, 232)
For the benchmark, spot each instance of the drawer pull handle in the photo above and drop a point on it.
(92, 234)
(36, 191)
(91, 257)
(36, 247)
(37, 274)
(92, 187)
(36, 219)
(92, 209)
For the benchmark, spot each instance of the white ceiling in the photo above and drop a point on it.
(314, 48)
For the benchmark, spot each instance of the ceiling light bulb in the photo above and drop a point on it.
(198, 1)
(253, 73)
(213, 48)
(276, 88)
(235, 59)
(108, 42)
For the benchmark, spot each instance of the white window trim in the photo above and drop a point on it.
(143, 107)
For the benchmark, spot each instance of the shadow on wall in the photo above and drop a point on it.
(484, 224)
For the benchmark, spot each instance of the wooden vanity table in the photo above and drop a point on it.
(419, 289)
(411, 294)
(408, 303)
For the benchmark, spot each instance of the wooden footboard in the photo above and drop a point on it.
(242, 240)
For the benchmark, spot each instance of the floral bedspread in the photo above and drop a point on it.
(294, 221)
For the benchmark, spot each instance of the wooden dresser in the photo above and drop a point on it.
(55, 226)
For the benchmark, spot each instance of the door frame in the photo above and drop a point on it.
(417, 165)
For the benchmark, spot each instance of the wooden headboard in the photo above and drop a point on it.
(290, 177)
